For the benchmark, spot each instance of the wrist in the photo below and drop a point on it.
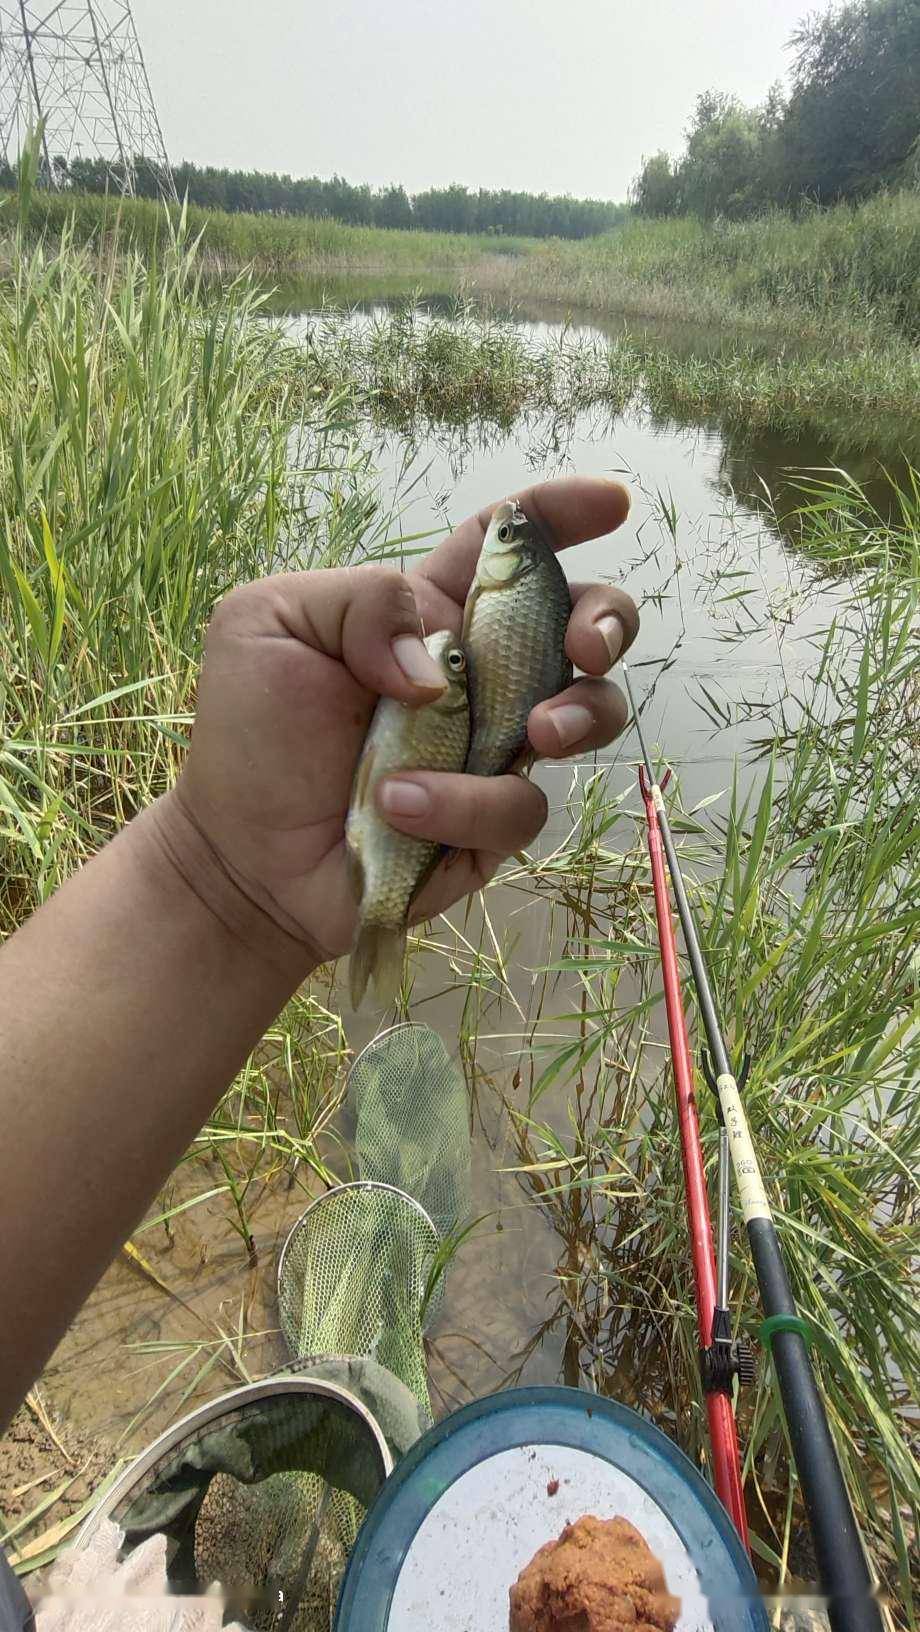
(178, 845)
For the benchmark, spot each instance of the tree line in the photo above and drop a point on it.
(439, 209)
(849, 125)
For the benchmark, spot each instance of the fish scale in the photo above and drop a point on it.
(514, 633)
(390, 867)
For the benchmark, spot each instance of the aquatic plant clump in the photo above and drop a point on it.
(416, 369)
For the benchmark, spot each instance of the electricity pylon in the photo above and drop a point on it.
(77, 69)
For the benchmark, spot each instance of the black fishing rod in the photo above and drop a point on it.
(841, 1557)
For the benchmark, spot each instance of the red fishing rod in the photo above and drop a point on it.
(847, 1579)
(720, 1358)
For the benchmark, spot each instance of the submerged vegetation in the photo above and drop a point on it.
(160, 441)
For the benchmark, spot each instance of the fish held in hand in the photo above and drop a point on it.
(514, 628)
(389, 868)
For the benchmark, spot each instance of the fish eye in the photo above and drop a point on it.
(456, 660)
(505, 533)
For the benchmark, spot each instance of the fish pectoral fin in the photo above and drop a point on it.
(469, 608)
(361, 789)
(525, 761)
(354, 867)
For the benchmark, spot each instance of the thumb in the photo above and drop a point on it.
(366, 617)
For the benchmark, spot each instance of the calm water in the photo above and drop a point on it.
(726, 598)
(730, 612)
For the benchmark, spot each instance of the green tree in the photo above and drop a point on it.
(392, 208)
(722, 171)
(656, 189)
(854, 113)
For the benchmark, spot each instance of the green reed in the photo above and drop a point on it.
(417, 370)
(281, 246)
(156, 448)
(850, 270)
(809, 893)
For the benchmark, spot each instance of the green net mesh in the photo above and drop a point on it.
(358, 1276)
(360, 1272)
(266, 1495)
(263, 1490)
(411, 1115)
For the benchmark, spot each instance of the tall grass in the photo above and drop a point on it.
(853, 269)
(850, 272)
(145, 445)
(155, 449)
(279, 246)
(809, 896)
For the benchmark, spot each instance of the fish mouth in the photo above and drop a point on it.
(507, 515)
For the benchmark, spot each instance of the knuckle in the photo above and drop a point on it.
(233, 606)
(538, 812)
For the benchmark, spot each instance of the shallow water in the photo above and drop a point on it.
(730, 611)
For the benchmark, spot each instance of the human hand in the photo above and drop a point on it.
(293, 668)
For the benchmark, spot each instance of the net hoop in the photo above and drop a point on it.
(364, 1186)
(250, 1394)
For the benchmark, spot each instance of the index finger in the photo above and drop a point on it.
(572, 509)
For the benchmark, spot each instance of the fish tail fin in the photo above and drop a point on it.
(378, 955)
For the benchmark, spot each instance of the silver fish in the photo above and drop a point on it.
(514, 626)
(389, 868)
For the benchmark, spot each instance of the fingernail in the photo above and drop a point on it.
(572, 722)
(416, 663)
(611, 629)
(401, 798)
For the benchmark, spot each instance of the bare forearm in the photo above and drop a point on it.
(127, 1005)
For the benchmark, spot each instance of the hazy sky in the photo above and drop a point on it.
(557, 95)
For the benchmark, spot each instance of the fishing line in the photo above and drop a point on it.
(839, 1550)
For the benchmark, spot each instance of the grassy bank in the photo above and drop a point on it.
(276, 246)
(847, 271)
(856, 269)
(156, 447)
